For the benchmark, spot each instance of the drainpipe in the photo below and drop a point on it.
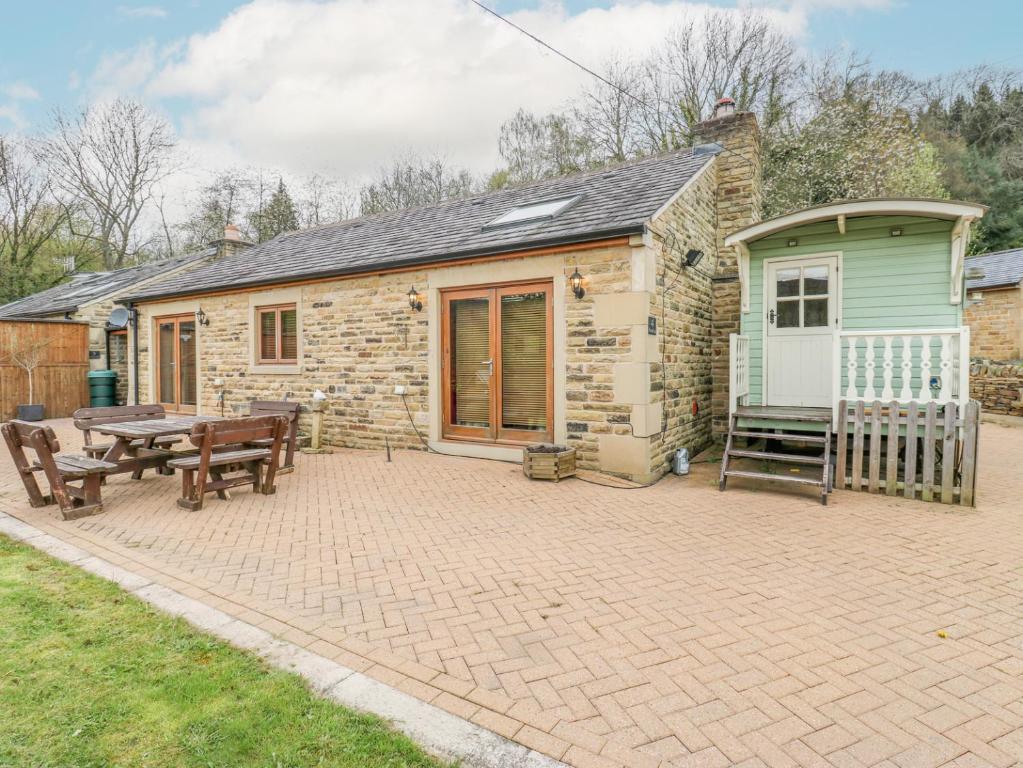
(134, 321)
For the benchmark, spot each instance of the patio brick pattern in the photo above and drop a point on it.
(667, 626)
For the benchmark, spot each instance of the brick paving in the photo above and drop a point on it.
(668, 626)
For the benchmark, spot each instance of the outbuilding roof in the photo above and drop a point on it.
(1001, 268)
(605, 203)
(85, 287)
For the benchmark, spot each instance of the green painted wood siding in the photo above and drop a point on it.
(886, 282)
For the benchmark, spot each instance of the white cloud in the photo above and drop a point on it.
(142, 11)
(20, 91)
(341, 87)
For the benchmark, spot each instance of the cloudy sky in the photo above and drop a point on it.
(342, 86)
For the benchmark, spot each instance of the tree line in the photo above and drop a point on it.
(88, 193)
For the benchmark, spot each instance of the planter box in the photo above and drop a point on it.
(31, 412)
(548, 462)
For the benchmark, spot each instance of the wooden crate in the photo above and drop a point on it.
(548, 465)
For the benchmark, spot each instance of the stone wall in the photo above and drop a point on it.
(996, 323)
(739, 204)
(682, 306)
(998, 387)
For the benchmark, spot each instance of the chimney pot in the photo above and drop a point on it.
(231, 232)
(724, 107)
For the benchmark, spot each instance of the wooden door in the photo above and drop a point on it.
(497, 361)
(802, 315)
(176, 373)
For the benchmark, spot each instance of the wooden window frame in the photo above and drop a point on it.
(277, 309)
(495, 433)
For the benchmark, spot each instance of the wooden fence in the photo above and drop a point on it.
(909, 449)
(60, 380)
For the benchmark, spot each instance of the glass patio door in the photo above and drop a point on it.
(497, 363)
(176, 386)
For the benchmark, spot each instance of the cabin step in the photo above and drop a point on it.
(793, 458)
(801, 437)
(782, 413)
(783, 478)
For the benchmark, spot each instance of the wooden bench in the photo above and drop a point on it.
(74, 500)
(86, 419)
(280, 408)
(206, 471)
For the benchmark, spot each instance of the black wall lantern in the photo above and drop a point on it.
(414, 299)
(200, 317)
(693, 257)
(576, 281)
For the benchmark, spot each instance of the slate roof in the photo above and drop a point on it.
(615, 201)
(1001, 268)
(89, 286)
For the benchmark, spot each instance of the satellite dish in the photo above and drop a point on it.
(119, 318)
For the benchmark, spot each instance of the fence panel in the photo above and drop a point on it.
(906, 441)
(60, 380)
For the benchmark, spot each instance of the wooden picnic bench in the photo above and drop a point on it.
(87, 419)
(131, 456)
(60, 470)
(207, 471)
(288, 409)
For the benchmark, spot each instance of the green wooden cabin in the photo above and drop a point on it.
(855, 301)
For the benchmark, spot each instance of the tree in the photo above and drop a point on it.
(535, 147)
(277, 217)
(609, 113)
(323, 200)
(29, 357)
(225, 200)
(107, 160)
(849, 150)
(31, 221)
(412, 181)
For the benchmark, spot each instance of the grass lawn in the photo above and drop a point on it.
(91, 676)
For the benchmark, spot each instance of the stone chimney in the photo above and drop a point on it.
(230, 243)
(739, 204)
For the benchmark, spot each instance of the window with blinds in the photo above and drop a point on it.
(471, 363)
(524, 361)
(278, 334)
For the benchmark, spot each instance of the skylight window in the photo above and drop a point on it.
(534, 211)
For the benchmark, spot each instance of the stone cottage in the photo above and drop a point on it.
(591, 309)
(994, 310)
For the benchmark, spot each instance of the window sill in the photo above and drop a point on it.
(289, 370)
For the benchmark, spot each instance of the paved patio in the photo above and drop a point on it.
(668, 626)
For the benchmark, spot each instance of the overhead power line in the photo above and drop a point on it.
(587, 70)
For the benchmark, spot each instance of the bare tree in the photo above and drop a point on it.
(609, 113)
(228, 199)
(107, 159)
(28, 358)
(413, 181)
(322, 200)
(538, 147)
(30, 218)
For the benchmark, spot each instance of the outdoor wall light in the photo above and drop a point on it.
(576, 281)
(414, 299)
(793, 243)
(693, 257)
(200, 317)
(896, 232)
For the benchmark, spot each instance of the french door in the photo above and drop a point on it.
(498, 363)
(802, 315)
(175, 363)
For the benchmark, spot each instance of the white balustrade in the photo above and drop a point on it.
(933, 365)
(738, 371)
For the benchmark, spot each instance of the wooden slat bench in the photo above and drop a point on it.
(289, 410)
(86, 419)
(74, 500)
(206, 471)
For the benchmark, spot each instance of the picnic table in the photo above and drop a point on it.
(137, 458)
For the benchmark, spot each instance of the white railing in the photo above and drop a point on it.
(738, 371)
(902, 365)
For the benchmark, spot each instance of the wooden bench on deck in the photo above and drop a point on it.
(205, 472)
(279, 408)
(74, 500)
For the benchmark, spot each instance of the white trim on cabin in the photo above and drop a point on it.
(962, 213)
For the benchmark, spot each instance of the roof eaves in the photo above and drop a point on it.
(622, 231)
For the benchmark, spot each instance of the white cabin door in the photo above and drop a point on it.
(802, 315)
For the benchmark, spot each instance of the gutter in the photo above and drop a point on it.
(385, 266)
